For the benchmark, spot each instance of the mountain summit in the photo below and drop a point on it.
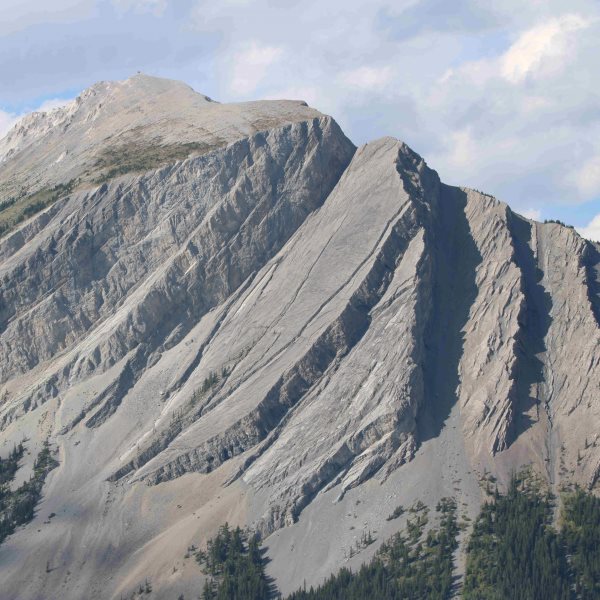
(227, 312)
(125, 126)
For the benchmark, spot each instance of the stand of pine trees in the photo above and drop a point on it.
(18, 507)
(581, 539)
(514, 552)
(409, 566)
(235, 566)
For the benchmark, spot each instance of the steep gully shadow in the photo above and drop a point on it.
(455, 259)
(534, 322)
(592, 269)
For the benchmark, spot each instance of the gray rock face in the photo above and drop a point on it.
(277, 321)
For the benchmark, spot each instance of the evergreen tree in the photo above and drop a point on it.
(513, 551)
(235, 565)
(18, 507)
(581, 537)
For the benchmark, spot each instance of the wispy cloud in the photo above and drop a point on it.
(542, 49)
(592, 230)
(532, 213)
(587, 178)
(250, 66)
(367, 78)
(18, 15)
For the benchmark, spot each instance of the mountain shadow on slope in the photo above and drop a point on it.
(456, 258)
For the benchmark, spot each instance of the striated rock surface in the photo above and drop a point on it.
(236, 315)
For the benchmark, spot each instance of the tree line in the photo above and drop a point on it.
(514, 551)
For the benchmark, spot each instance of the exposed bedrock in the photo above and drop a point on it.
(135, 264)
(258, 322)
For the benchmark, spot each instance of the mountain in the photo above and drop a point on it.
(227, 312)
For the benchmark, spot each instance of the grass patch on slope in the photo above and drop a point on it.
(16, 209)
(134, 158)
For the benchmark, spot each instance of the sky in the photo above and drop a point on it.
(500, 96)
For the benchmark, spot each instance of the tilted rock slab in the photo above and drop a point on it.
(275, 317)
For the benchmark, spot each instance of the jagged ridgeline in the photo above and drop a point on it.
(229, 313)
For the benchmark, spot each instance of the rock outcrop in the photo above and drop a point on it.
(235, 306)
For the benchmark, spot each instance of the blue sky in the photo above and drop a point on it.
(499, 96)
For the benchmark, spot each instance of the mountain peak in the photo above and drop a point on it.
(132, 118)
(140, 86)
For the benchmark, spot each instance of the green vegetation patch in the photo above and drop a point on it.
(410, 565)
(514, 552)
(134, 158)
(396, 513)
(581, 539)
(18, 507)
(235, 566)
(558, 222)
(16, 209)
(413, 564)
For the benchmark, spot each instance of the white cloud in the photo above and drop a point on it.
(592, 230)
(7, 120)
(543, 48)
(251, 65)
(587, 178)
(536, 104)
(367, 78)
(522, 123)
(461, 149)
(532, 213)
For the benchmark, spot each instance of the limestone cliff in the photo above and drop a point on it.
(230, 312)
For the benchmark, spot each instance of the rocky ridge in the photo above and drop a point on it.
(276, 320)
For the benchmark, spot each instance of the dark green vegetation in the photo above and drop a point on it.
(412, 564)
(514, 552)
(558, 223)
(16, 209)
(396, 513)
(581, 537)
(18, 507)
(133, 158)
(10, 465)
(235, 567)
